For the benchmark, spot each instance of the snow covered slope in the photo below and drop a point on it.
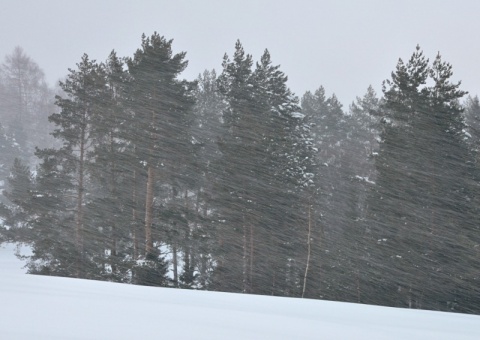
(37, 307)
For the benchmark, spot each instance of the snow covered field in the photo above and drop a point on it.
(36, 307)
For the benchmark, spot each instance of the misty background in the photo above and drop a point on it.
(344, 45)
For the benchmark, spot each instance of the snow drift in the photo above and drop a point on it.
(39, 307)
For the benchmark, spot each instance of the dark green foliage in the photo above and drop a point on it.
(226, 183)
(421, 211)
(161, 105)
(109, 211)
(17, 213)
(152, 271)
(255, 180)
(327, 119)
(160, 102)
(51, 235)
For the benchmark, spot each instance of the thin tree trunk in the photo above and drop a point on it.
(149, 213)
(134, 224)
(358, 284)
(273, 282)
(79, 210)
(308, 249)
(204, 262)
(251, 259)
(187, 249)
(175, 264)
(134, 216)
(113, 191)
(187, 267)
(245, 260)
(149, 254)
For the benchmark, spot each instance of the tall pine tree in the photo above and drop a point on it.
(161, 104)
(420, 210)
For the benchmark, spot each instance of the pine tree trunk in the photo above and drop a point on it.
(358, 284)
(308, 249)
(251, 260)
(204, 271)
(134, 225)
(245, 260)
(175, 264)
(79, 209)
(113, 190)
(134, 216)
(149, 253)
(187, 249)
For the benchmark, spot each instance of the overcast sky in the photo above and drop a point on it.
(342, 45)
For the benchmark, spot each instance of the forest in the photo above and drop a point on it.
(125, 172)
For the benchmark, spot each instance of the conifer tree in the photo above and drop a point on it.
(109, 208)
(328, 133)
(52, 235)
(257, 222)
(235, 83)
(421, 207)
(357, 173)
(206, 129)
(83, 90)
(17, 213)
(161, 104)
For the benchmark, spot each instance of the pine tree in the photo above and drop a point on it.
(420, 210)
(161, 104)
(206, 129)
(284, 214)
(51, 237)
(368, 105)
(17, 213)
(83, 90)
(109, 208)
(451, 211)
(357, 173)
(235, 83)
(328, 134)
(254, 204)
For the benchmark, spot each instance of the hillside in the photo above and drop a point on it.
(38, 307)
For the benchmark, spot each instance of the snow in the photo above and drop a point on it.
(467, 133)
(364, 179)
(40, 307)
(298, 115)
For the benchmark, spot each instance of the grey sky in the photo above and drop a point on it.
(342, 45)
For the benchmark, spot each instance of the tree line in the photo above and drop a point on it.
(232, 183)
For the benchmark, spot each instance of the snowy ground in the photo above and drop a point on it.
(36, 307)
